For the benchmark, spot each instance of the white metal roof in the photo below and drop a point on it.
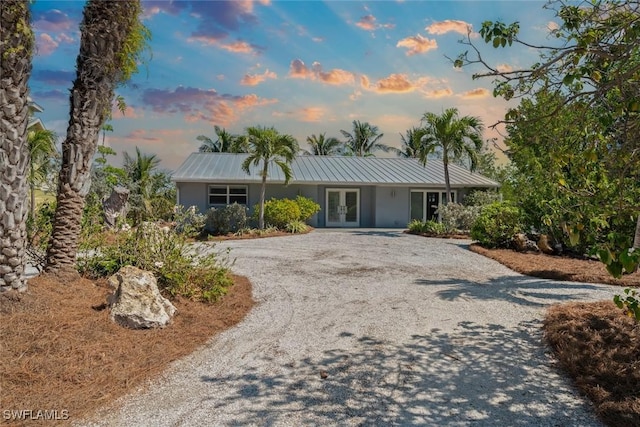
(227, 168)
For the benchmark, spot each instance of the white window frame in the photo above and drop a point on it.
(227, 194)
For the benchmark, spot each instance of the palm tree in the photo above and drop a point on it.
(267, 146)
(458, 138)
(411, 143)
(226, 142)
(323, 146)
(364, 140)
(42, 148)
(16, 49)
(140, 171)
(112, 44)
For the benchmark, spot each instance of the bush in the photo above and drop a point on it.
(297, 227)
(279, 212)
(164, 253)
(188, 221)
(428, 227)
(456, 217)
(481, 198)
(496, 225)
(308, 208)
(226, 220)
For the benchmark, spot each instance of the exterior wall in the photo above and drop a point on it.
(391, 206)
(384, 207)
(193, 194)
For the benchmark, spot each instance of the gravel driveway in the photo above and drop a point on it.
(373, 327)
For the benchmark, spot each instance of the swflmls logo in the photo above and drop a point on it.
(30, 414)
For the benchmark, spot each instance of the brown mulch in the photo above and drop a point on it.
(595, 343)
(556, 267)
(61, 352)
(599, 348)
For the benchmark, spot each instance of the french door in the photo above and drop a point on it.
(343, 207)
(424, 204)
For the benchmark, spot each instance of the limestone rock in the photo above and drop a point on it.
(136, 302)
(115, 206)
(544, 244)
(523, 244)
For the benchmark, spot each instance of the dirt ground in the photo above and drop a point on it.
(61, 352)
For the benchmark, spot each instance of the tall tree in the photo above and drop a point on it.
(16, 50)
(592, 58)
(323, 146)
(458, 138)
(224, 143)
(412, 142)
(267, 147)
(42, 148)
(363, 140)
(113, 42)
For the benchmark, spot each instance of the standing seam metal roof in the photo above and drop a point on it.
(227, 167)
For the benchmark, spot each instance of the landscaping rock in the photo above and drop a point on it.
(115, 206)
(136, 302)
(523, 244)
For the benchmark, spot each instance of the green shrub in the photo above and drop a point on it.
(188, 221)
(297, 227)
(178, 270)
(481, 198)
(279, 212)
(496, 225)
(428, 227)
(308, 208)
(456, 217)
(226, 220)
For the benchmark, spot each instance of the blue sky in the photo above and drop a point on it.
(304, 67)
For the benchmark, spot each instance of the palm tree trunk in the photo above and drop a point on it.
(447, 183)
(262, 196)
(105, 28)
(16, 42)
(636, 239)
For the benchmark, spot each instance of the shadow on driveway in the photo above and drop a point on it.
(476, 375)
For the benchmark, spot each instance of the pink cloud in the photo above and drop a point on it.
(504, 68)
(369, 23)
(401, 83)
(46, 45)
(256, 79)
(63, 38)
(335, 76)
(417, 44)
(129, 113)
(240, 47)
(308, 114)
(218, 40)
(198, 104)
(443, 27)
(475, 93)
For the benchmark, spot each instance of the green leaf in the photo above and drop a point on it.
(618, 302)
(574, 237)
(605, 256)
(496, 42)
(629, 261)
(615, 269)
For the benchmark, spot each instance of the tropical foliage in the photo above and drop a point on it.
(267, 147)
(42, 152)
(457, 138)
(323, 146)
(363, 140)
(225, 142)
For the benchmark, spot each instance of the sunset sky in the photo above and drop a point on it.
(304, 67)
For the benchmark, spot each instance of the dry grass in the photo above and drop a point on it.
(61, 352)
(595, 343)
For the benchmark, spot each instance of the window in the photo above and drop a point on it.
(227, 194)
(424, 204)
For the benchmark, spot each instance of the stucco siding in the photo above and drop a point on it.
(391, 206)
(193, 194)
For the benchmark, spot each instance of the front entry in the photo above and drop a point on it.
(343, 207)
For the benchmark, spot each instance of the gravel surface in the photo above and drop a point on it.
(372, 327)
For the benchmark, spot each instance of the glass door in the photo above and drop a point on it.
(343, 207)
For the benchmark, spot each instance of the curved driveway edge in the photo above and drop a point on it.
(372, 327)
